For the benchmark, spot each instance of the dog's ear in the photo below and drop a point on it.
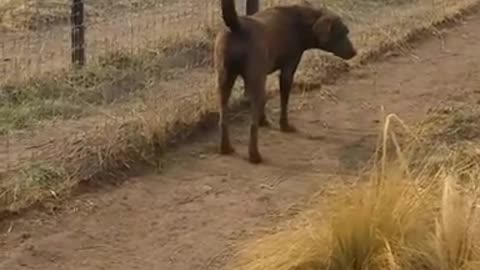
(323, 27)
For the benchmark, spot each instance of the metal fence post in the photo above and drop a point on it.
(252, 6)
(78, 32)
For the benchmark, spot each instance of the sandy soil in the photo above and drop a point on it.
(194, 213)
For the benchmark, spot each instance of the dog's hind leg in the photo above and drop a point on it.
(263, 116)
(255, 85)
(252, 7)
(225, 81)
(264, 122)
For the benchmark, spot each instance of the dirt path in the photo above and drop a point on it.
(191, 215)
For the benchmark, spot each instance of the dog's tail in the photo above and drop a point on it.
(230, 16)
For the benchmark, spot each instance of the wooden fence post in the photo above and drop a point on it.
(78, 33)
(252, 6)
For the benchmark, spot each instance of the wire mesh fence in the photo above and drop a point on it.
(42, 36)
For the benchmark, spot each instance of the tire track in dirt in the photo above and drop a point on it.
(192, 214)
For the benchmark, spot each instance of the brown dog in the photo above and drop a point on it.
(273, 39)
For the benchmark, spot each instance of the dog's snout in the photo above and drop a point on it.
(347, 55)
(353, 54)
(350, 53)
(344, 49)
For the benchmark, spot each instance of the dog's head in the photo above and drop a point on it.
(331, 35)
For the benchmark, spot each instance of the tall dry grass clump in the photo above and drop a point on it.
(408, 215)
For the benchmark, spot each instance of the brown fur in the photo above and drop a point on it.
(273, 39)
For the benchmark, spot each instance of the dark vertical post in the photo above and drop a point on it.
(252, 6)
(78, 33)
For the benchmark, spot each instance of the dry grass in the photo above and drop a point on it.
(116, 78)
(455, 131)
(30, 15)
(403, 218)
(146, 128)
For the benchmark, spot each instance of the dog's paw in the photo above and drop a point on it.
(264, 122)
(255, 158)
(287, 128)
(226, 150)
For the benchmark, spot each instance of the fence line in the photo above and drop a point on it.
(49, 44)
(78, 32)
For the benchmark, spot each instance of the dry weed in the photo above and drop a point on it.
(403, 218)
(32, 15)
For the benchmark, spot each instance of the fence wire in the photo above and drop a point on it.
(36, 35)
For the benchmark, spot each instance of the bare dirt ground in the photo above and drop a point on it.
(194, 213)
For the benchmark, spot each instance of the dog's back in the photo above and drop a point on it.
(276, 31)
(234, 43)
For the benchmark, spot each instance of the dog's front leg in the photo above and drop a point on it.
(286, 81)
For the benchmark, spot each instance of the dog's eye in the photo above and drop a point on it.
(343, 29)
